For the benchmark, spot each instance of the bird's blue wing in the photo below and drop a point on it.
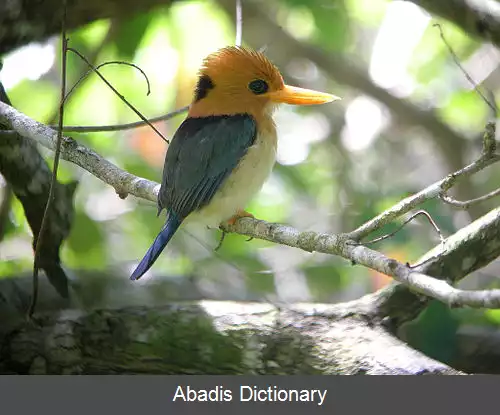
(201, 155)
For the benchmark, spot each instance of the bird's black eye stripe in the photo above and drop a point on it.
(204, 85)
(258, 86)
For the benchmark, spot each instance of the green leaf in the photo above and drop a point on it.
(330, 21)
(9, 268)
(324, 280)
(493, 316)
(86, 241)
(130, 33)
(465, 110)
(434, 332)
(41, 108)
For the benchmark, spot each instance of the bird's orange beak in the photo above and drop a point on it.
(300, 96)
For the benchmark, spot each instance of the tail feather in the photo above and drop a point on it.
(159, 244)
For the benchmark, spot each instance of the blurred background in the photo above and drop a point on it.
(408, 117)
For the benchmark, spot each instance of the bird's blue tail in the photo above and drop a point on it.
(158, 246)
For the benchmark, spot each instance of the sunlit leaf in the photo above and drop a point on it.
(466, 110)
(43, 102)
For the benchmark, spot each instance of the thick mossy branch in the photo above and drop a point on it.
(208, 338)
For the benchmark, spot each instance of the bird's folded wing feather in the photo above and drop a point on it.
(202, 154)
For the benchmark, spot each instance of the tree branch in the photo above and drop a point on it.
(477, 18)
(121, 127)
(24, 21)
(30, 178)
(484, 229)
(439, 188)
(208, 338)
(123, 182)
(466, 203)
(341, 245)
(430, 192)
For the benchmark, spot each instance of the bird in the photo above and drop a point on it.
(225, 149)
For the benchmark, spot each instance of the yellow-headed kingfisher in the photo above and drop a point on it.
(225, 149)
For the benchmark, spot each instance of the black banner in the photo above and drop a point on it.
(92, 395)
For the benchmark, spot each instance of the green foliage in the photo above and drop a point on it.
(12, 267)
(325, 279)
(328, 23)
(433, 333)
(86, 243)
(41, 108)
(258, 281)
(466, 111)
(130, 34)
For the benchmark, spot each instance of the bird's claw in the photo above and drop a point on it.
(223, 236)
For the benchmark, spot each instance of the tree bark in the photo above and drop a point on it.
(29, 177)
(209, 337)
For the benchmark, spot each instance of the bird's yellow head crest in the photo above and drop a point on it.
(237, 80)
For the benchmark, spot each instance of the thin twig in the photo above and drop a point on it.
(117, 93)
(105, 64)
(489, 148)
(239, 23)
(420, 212)
(93, 54)
(457, 62)
(492, 100)
(121, 127)
(39, 239)
(467, 203)
(430, 192)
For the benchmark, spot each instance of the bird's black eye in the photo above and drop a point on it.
(258, 86)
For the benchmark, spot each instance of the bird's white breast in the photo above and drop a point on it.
(242, 184)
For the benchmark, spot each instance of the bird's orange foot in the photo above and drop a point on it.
(240, 214)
